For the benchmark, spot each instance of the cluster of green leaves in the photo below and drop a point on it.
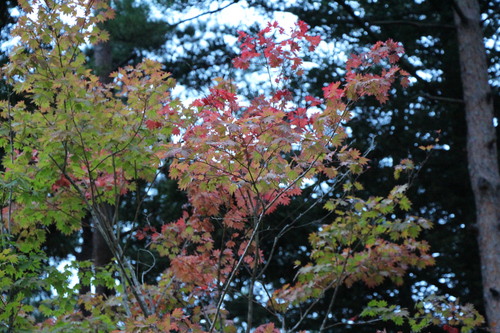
(362, 244)
(102, 137)
(22, 277)
(433, 310)
(72, 143)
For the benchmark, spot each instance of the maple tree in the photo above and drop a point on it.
(433, 102)
(75, 143)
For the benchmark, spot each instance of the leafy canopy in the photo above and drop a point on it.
(74, 144)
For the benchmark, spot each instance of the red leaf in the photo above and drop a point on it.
(61, 182)
(405, 82)
(151, 124)
(140, 235)
(450, 329)
(314, 40)
(354, 61)
(177, 313)
(332, 91)
(314, 101)
(197, 103)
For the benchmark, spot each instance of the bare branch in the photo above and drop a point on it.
(204, 13)
(417, 24)
(444, 99)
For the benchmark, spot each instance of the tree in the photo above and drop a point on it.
(132, 33)
(79, 144)
(482, 150)
(104, 168)
(102, 254)
(411, 118)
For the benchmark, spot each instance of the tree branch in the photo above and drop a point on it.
(459, 12)
(204, 13)
(412, 23)
(405, 64)
(444, 99)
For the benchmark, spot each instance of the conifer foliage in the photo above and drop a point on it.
(74, 143)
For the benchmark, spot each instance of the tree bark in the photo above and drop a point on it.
(481, 150)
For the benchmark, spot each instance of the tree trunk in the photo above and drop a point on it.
(103, 61)
(101, 254)
(84, 255)
(481, 150)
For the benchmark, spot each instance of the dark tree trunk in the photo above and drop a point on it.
(481, 150)
(84, 255)
(101, 254)
(101, 257)
(103, 61)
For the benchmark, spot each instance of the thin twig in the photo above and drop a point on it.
(444, 99)
(204, 13)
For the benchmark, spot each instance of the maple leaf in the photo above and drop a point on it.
(177, 313)
(332, 91)
(450, 329)
(405, 82)
(313, 100)
(314, 40)
(354, 61)
(151, 124)
(267, 328)
(140, 235)
(274, 61)
(176, 131)
(60, 183)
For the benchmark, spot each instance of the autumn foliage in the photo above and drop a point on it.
(74, 143)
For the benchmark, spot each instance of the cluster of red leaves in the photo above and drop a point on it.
(104, 181)
(175, 320)
(276, 53)
(239, 162)
(377, 85)
(148, 230)
(195, 262)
